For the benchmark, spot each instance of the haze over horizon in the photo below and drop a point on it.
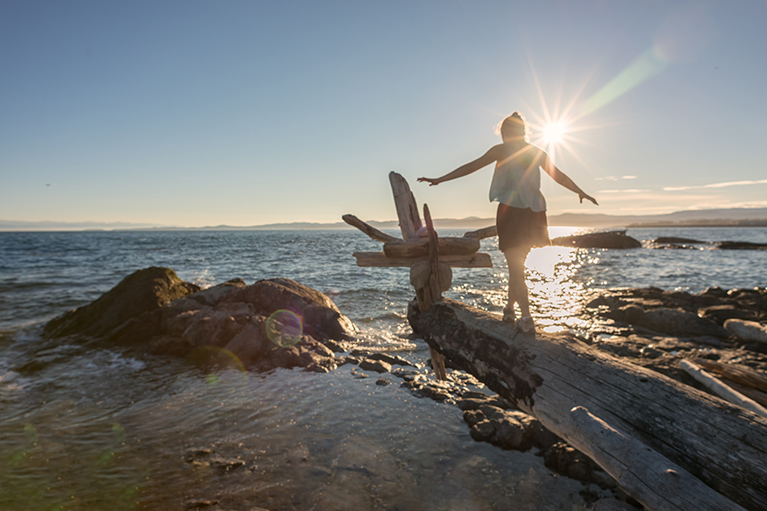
(735, 216)
(248, 113)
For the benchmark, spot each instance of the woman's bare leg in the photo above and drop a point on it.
(515, 258)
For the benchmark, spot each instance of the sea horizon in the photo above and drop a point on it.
(724, 217)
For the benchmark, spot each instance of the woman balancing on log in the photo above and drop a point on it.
(521, 217)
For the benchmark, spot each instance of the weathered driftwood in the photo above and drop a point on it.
(407, 211)
(743, 375)
(379, 259)
(420, 247)
(747, 381)
(480, 234)
(547, 375)
(757, 395)
(368, 229)
(429, 286)
(412, 229)
(650, 477)
(722, 390)
(747, 330)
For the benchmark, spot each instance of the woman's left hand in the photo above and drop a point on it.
(582, 196)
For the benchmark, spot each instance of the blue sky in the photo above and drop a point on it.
(195, 113)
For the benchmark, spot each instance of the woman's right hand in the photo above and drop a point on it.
(431, 181)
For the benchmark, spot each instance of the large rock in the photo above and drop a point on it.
(741, 245)
(614, 239)
(141, 292)
(154, 311)
(669, 321)
(321, 318)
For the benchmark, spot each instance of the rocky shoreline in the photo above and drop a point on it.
(281, 323)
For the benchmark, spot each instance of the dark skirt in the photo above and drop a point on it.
(519, 227)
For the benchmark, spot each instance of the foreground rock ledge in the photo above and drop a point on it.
(586, 397)
(154, 311)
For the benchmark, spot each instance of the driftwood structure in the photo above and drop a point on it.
(420, 249)
(668, 445)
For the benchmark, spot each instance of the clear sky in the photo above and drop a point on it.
(195, 113)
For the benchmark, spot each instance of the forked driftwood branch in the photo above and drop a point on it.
(368, 229)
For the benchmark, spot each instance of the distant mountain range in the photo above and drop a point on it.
(702, 217)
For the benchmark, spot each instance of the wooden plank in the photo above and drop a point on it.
(547, 375)
(480, 234)
(648, 476)
(369, 229)
(379, 259)
(740, 374)
(407, 211)
(420, 247)
(722, 390)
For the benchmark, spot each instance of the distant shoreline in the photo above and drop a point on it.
(734, 217)
(335, 227)
(756, 223)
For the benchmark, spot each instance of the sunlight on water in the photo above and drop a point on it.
(555, 295)
(389, 336)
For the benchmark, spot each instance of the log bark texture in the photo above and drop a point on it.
(548, 375)
(644, 473)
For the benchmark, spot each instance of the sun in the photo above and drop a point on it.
(553, 133)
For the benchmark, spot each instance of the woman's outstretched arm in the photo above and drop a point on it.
(486, 159)
(564, 180)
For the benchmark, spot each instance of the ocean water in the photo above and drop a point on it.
(84, 430)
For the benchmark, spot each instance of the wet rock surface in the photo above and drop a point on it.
(271, 323)
(656, 328)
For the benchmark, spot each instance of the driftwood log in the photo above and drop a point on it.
(720, 444)
(420, 247)
(722, 389)
(368, 229)
(745, 380)
(379, 259)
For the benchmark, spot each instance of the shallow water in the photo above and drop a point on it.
(97, 429)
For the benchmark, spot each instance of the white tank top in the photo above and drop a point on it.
(517, 187)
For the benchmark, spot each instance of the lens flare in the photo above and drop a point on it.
(553, 133)
(284, 328)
